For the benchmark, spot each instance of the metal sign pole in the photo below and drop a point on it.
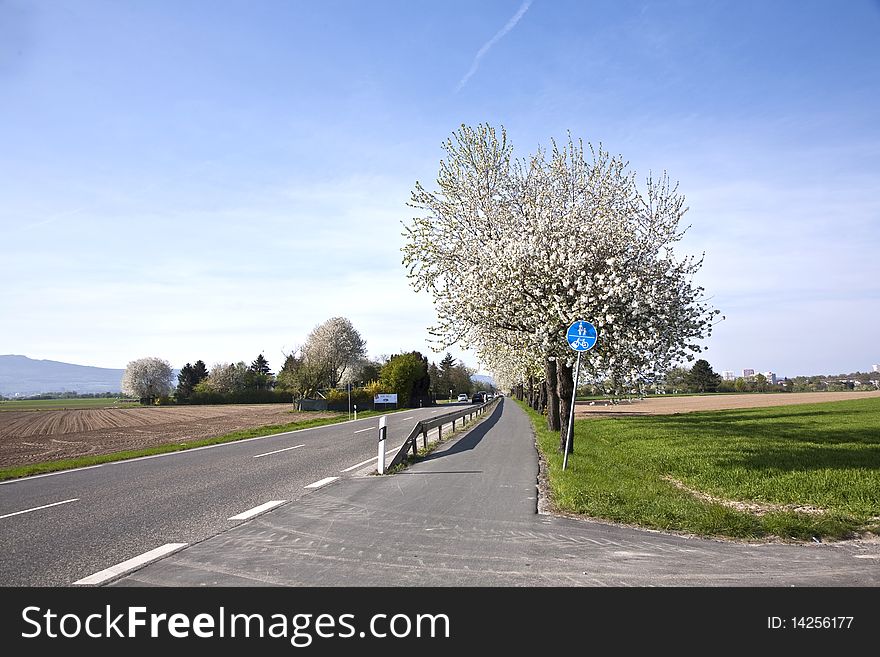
(568, 434)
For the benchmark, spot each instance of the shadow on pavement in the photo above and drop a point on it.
(472, 439)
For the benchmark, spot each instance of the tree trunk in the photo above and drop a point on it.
(565, 386)
(531, 393)
(552, 396)
(542, 397)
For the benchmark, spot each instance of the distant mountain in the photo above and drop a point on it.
(482, 378)
(20, 375)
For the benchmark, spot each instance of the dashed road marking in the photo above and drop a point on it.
(37, 508)
(322, 482)
(250, 513)
(278, 451)
(131, 564)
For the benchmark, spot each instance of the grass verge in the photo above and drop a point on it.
(801, 472)
(17, 472)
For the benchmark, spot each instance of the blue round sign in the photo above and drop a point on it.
(581, 336)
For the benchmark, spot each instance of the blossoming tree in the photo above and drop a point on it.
(513, 251)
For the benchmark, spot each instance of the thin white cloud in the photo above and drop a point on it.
(491, 42)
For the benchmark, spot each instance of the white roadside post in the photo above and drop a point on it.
(383, 431)
(355, 411)
(581, 337)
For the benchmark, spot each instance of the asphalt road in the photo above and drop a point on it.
(469, 515)
(58, 529)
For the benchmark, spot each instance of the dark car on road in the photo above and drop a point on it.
(478, 398)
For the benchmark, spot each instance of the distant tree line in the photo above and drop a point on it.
(332, 364)
(65, 395)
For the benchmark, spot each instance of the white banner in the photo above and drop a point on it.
(386, 399)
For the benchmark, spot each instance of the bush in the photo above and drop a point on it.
(337, 399)
(242, 397)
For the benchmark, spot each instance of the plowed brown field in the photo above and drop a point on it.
(48, 435)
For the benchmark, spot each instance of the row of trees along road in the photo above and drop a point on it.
(515, 250)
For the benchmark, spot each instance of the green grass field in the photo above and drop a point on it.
(63, 404)
(795, 472)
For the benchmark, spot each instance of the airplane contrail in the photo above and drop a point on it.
(491, 42)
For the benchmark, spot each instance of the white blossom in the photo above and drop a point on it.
(514, 251)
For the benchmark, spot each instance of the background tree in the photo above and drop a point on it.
(407, 376)
(702, 378)
(370, 371)
(260, 366)
(743, 385)
(333, 347)
(260, 376)
(361, 372)
(147, 379)
(460, 378)
(437, 389)
(188, 378)
(761, 382)
(200, 371)
(445, 382)
(226, 379)
(299, 376)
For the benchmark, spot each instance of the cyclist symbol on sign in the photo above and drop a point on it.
(581, 336)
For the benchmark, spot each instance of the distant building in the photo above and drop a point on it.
(876, 368)
(748, 373)
(771, 377)
(728, 375)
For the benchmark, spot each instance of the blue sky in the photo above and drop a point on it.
(210, 180)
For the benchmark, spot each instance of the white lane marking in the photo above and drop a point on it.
(432, 412)
(362, 430)
(278, 451)
(408, 418)
(37, 508)
(131, 564)
(250, 513)
(363, 463)
(322, 482)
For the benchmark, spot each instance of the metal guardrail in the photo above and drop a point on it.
(424, 426)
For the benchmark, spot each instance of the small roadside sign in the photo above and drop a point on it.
(581, 336)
